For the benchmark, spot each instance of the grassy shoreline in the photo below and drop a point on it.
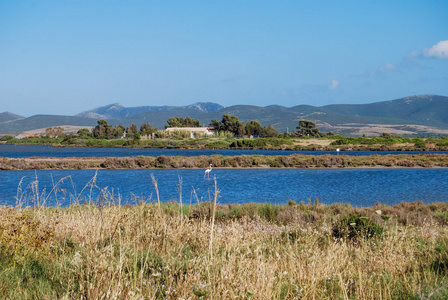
(248, 251)
(220, 161)
(330, 143)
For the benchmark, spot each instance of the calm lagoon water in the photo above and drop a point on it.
(359, 187)
(18, 151)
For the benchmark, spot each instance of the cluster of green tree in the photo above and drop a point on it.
(232, 124)
(183, 122)
(105, 131)
(228, 124)
(145, 130)
(308, 128)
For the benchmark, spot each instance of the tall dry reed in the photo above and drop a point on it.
(104, 250)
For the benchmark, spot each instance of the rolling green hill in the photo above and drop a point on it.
(422, 115)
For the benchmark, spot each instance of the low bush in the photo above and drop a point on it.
(217, 144)
(354, 227)
(442, 142)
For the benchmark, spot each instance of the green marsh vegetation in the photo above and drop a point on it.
(178, 250)
(227, 141)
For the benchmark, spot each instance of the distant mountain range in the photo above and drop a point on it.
(9, 117)
(414, 115)
(115, 110)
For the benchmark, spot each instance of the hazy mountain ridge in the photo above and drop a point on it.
(116, 110)
(44, 121)
(9, 117)
(424, 114)
(421, 108)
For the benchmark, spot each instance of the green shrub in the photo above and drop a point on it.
(355, 226)
(218, 144)
(440, 264)
(34, 278)
(268, 212)
(442, 142)
(419, 143)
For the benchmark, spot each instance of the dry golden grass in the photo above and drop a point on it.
(104, 250)
(147, 252)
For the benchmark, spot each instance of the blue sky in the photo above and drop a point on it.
(65, 57)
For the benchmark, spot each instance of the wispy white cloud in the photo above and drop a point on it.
(311, 90)
(439, 50)
(408, 63)
(334, 84)
(388, 67)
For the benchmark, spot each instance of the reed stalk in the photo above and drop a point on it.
(154, 182)
(102, 250)
(212, 217)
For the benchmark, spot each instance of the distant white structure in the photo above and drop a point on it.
(193, 130)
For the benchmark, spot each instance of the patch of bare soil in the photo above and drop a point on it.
(67, 129)
(314, 142)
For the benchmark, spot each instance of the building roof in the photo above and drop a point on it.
(193, 129)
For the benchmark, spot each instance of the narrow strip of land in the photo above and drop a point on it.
(220, 161)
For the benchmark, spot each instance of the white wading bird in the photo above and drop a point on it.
(208, 171)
